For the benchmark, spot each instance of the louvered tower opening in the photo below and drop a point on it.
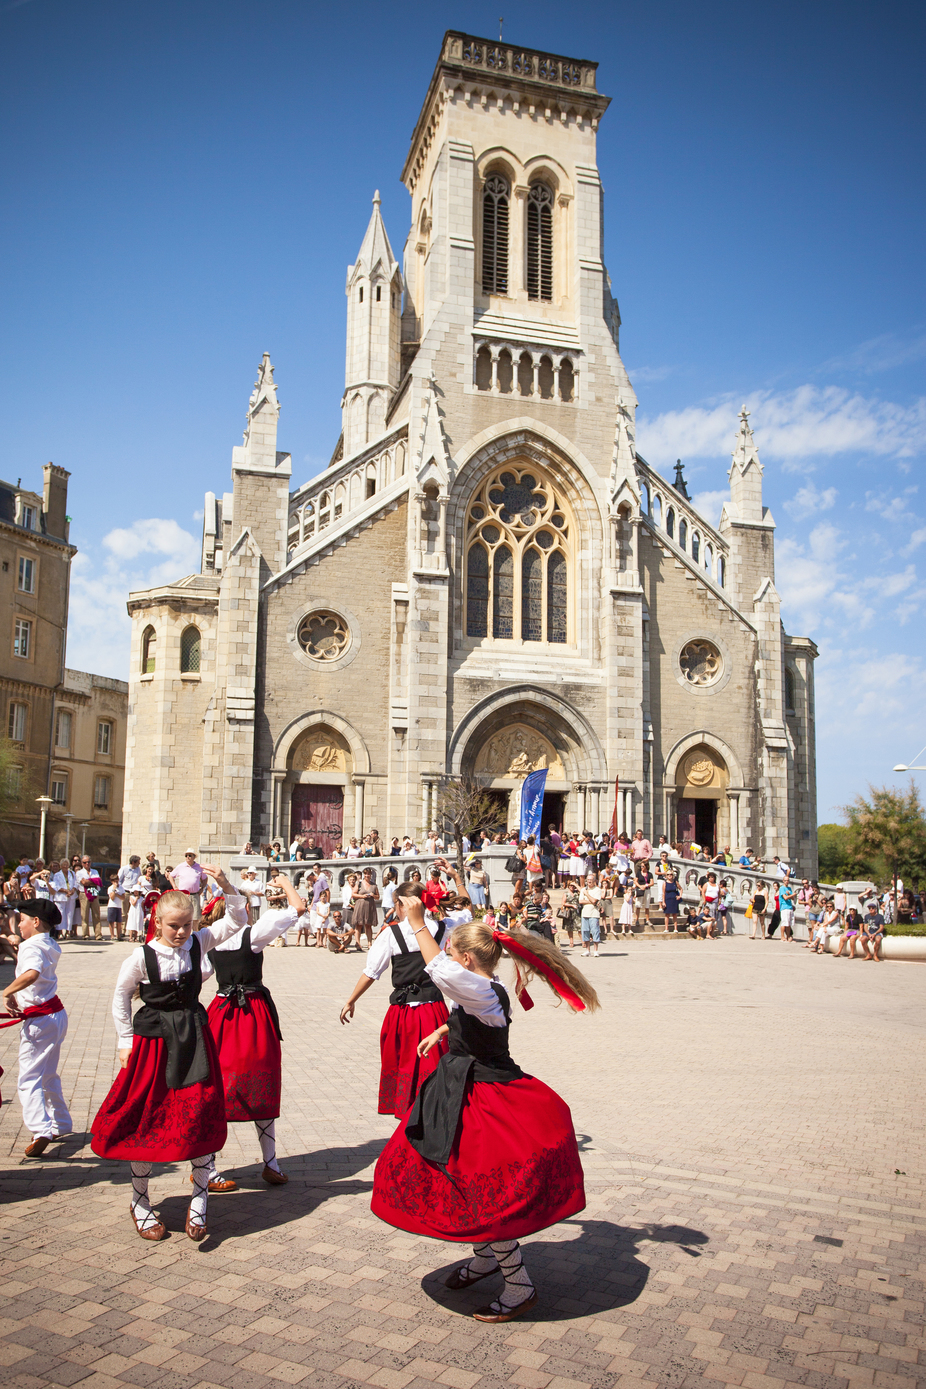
(540, 242)
(495, 235)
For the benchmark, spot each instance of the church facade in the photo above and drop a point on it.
(487, 578)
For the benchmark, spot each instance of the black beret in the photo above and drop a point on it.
(46, 911)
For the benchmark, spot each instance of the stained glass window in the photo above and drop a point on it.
(477, 592)
(503, 594)
(531, 597)
(557, 594)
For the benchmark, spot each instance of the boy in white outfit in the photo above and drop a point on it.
(32, 998)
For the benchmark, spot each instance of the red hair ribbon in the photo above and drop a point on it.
(533, 962)
(149, 904)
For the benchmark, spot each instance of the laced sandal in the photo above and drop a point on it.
(37, 1147)
(195, 1230)
(222, 1184)
(274, 1178)
(152, 1232)
(463, 1277)
(498, 1312)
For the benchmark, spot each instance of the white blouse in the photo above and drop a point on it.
(464, 989)
(272, 924)
(41, 953)
(385, 946)
(172, 962)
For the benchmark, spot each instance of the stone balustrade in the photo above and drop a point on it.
(676, 521)
(345, 490)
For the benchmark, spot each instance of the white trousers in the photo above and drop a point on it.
(40, 1094)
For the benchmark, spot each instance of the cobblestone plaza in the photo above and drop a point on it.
(750, 1120)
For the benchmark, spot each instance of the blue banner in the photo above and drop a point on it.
(532, 802)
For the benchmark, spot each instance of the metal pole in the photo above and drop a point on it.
(67, 836)
(44, 802)
(83, 839)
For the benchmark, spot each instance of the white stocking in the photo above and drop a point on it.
(266, 1133)
(518, 1286)
(201, 1170)
(141, 1206)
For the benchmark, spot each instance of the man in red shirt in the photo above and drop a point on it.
(434, 890)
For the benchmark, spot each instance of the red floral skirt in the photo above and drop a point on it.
(250, 1057)
(141, 1120)
(403, 1070)
(514, 1169)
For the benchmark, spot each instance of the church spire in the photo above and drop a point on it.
(374, 309)
(746, 474)
(260, 432)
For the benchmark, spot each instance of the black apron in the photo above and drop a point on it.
(411, 982)
(477, 1053)
(171, 1009)
(239, 975)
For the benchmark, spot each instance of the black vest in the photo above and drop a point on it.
(171, 1010)
(477, 1053)
(239, 975)
(411, 982)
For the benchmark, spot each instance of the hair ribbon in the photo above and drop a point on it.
(538, 966)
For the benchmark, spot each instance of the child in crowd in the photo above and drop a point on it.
(116, 895)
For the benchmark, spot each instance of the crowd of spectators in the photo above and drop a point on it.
(604, 886)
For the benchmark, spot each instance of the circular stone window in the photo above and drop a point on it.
(701, 663)
(323, 636)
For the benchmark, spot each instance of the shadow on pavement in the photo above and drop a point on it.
(597, 1272)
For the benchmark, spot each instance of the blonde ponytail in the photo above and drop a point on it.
(487, 947)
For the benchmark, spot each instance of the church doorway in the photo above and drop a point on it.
(318, 811)
(554, 805)
(696, 823)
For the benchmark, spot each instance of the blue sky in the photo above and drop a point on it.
(185, 182)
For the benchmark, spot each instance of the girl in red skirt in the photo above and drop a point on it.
(487, 1154)
(167, 1103)
(244, 1022)
(416, 1009)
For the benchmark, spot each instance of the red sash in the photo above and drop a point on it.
(35, 1010)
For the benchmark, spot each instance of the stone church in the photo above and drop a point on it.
(487, 578)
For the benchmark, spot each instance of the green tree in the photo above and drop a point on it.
(833, 853)
(887, 834)
(466, 806)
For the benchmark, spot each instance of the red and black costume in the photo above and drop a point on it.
(416, 1009)
(487, 1153)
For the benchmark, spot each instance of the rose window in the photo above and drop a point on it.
(701, 663)
(324, 636)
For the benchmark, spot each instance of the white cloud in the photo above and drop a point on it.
(792, 426)
(150, 552)
(645, 375)
(891, 508)
(916, 539)
(710, 504)
(818, 592)
(811, 499)
(882, 353)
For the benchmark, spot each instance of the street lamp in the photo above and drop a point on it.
(44, 802)
(902, 766)
(83, 838)
(69, 816)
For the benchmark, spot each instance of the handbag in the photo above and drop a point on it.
(513, 864)
(749, 911)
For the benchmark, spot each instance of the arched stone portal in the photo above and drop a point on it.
(702, 786)
(523, 730)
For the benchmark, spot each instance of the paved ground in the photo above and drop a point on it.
(751, 1121)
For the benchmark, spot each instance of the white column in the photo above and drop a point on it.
(734, 800)
(358, 809)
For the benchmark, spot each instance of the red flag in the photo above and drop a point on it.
(612, 828)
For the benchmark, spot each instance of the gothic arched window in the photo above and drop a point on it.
(149, 643)
(519, 535)
(190, 649)
(495, 199)
(789, 690)
(670, 522)
(540, 242)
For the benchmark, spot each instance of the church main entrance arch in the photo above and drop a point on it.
(518, 731)
(319, 766)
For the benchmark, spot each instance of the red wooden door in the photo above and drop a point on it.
(685, 823)
(318, 811)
